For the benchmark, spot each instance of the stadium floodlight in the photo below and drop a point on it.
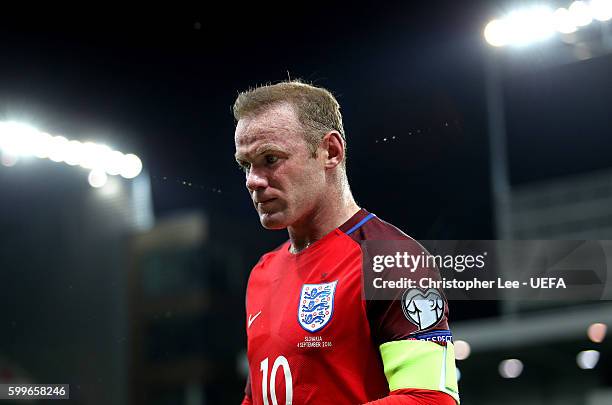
(462, 350)
(131, 166)
(15, 138)
(511, 368)
(19, 140)
(587, 359)
(497, 33)
(114, 163)
(530, 25)
(58, 148)
(580, 13)
(72, 153)
(42, 145)
(597, 332)
(563, 21)
(97, 178)
(601, 10)
(93, 156)
(521, 27)
(537, 23)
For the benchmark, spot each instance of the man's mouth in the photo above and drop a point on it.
(260, 202)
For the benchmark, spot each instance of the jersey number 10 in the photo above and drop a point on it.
(280, 361)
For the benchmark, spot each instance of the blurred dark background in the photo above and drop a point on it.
(136, 294)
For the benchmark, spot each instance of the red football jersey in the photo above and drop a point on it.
(311, 337)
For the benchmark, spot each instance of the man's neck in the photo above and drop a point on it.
(320, 222)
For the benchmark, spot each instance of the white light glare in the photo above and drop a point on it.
(93, 155)
(8, 160)
(462, 350)
(131, 166)
(537, 23)
(580, 13)
(531, 25)
(18, 140)
(97, 178)
(43, 145)
(496, 33)
(72, 154)
(521, 27)
(58, 148)
(511, 368)
(563, 21)
(114, 163)
(111, 188)
(587, 359)
(601, 9)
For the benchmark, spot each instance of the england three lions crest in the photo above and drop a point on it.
(316, 305)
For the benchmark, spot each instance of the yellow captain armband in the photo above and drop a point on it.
(420, 364)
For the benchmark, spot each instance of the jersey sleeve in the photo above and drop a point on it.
(410, 327)
(404, 313)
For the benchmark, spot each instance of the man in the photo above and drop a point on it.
(311, 337)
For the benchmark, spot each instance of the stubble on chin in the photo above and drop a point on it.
(268, 221)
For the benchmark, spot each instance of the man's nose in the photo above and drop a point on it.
(256, 180)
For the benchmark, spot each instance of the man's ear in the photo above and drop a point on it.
(333, 146)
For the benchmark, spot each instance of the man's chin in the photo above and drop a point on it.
(272, 220)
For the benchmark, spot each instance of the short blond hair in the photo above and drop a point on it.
(317, 109)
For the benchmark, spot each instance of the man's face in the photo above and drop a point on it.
(284, 180)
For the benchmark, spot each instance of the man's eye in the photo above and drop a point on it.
(271, 159)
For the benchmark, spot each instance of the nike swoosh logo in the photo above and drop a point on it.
(252, 318)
